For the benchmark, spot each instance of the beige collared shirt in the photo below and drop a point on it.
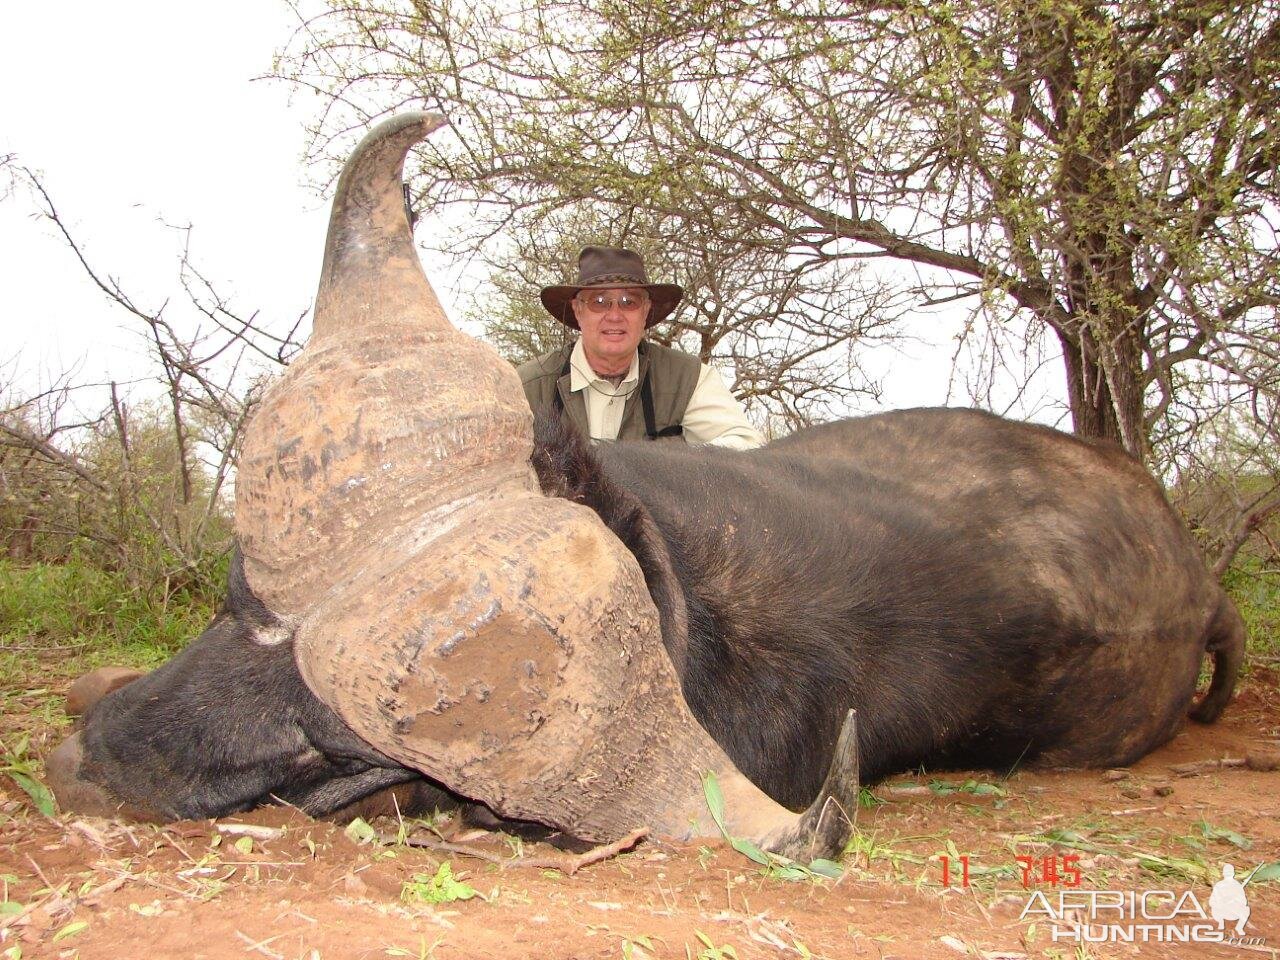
(713, 415)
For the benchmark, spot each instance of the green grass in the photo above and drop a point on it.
(76, 616)
(58, 620)
(1255, 588)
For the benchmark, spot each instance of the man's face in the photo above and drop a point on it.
(612, 321)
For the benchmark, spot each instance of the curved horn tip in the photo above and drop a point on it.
(424, 122)
(388, 140)
(825, 828)
(382, 150)
(368, 254)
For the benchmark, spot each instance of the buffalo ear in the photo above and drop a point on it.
(567, 467)
(93, 686)
(561, 458)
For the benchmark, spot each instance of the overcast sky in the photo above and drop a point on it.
(143, 115)
(139, 115)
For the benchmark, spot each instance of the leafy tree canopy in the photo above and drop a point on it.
(1106, 172)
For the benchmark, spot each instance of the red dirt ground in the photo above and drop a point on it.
(102, 889)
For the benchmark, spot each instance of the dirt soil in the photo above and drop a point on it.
(292, 887)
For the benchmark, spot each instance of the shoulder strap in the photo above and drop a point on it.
(650, 419)
(559, 400)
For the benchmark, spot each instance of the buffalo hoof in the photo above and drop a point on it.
(95, 685)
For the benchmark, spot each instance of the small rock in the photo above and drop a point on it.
(908, 790)
(1263, 760)
(1111, 776)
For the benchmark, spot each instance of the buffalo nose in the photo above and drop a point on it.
(74, 794)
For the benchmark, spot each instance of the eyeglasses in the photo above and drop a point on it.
(627, 302)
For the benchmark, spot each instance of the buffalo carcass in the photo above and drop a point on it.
(578, 648)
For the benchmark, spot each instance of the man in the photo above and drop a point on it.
(611, 382)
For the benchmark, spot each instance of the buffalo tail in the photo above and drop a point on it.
(1225, 642)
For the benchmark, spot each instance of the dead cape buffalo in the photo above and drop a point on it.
(577, 642)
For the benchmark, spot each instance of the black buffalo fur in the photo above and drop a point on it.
(774, 698)
(800, 606)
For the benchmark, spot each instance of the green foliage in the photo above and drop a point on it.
(1266, 873)
(1202, 866)
(637, 948)
(99, 614)
(359, 831)
(866, 848)
(442, 887)
(1221, 834)
(709, 951)
(1103, 173)
(9, 908)
(1254, 586)
(513, 317)
(21, 769)
(70, 930)
(121, 495)
(425, 951)
(976, 788)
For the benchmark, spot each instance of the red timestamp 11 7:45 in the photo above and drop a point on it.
(1061, 870)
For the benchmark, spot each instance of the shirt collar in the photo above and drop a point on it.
(581, 374)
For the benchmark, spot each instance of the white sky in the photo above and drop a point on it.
(143, 114)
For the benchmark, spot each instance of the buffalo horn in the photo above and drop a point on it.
(499, 641)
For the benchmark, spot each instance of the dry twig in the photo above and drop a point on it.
(568, 864)
(260, 946)
(1202, 766)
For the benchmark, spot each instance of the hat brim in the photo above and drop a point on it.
(663, 298)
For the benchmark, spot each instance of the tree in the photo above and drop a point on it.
(1104, 170)
(139, 486)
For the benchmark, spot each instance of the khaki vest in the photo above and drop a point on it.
(673, 375)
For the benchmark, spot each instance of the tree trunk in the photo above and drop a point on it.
(1092, 414)
(1104, 389)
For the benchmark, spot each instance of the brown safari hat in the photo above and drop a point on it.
(611, 267)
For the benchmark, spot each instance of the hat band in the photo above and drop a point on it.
(615, 278)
